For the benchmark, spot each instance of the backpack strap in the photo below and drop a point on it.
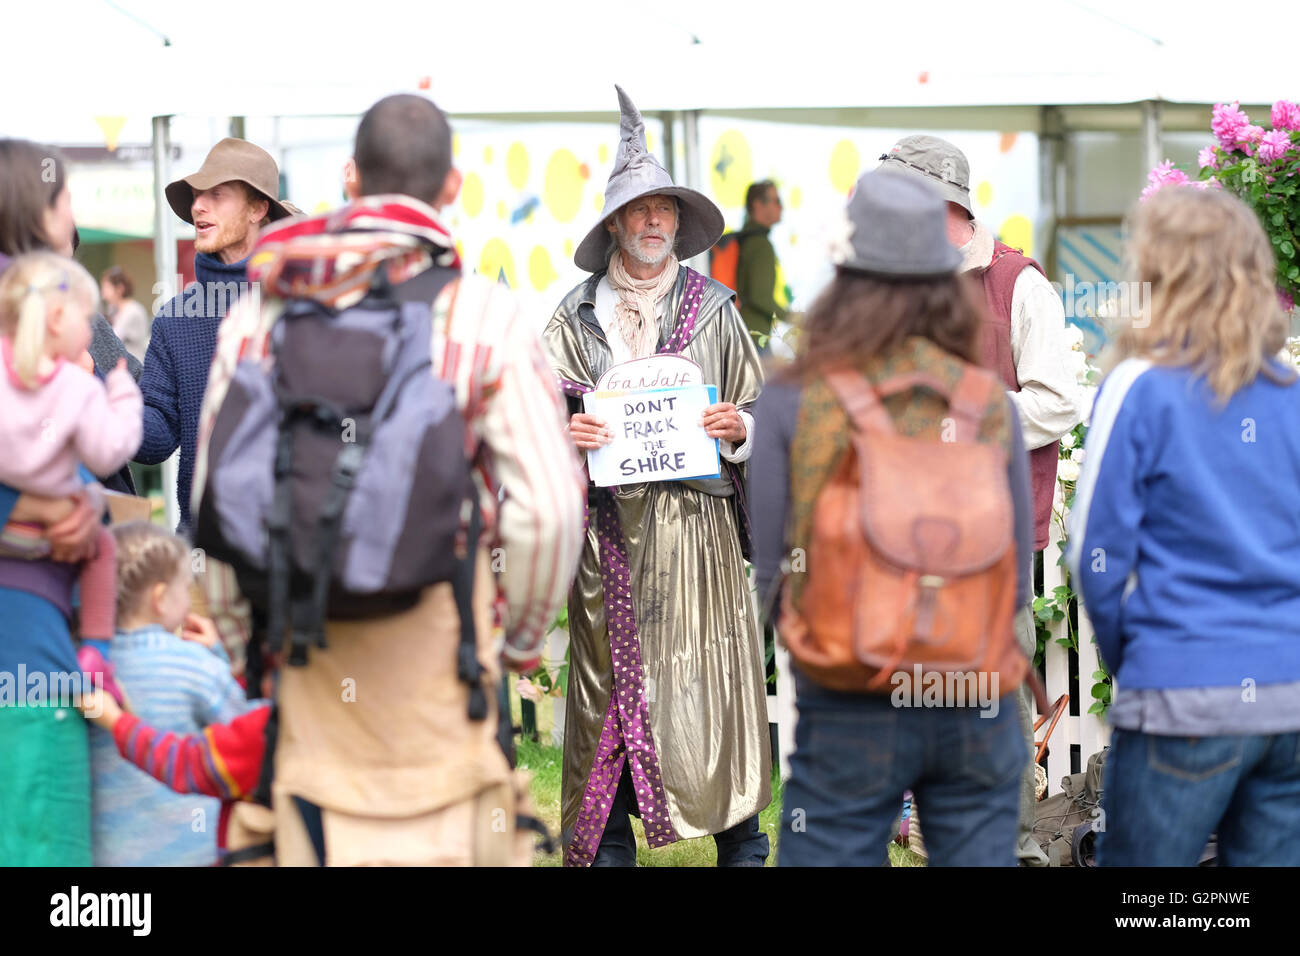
(917, 378)
(277, 525)
(257, 851)
(506, 727)
(266, 775)
(855, 393)
(969, 401)
(468, 668)
(545, 842)
(309, 622)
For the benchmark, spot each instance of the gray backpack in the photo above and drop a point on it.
(339, 478)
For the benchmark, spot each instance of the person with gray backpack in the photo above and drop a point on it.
(367, 434)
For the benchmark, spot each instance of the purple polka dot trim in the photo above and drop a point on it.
(689, 310)
(626, 736)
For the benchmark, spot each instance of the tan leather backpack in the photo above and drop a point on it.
(912, 557)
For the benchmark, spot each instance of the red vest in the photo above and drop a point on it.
(995, 353)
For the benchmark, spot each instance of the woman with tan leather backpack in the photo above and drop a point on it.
(890, 485)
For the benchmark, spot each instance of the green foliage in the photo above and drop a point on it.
(552, 684)
(557, 683)
(1100, 692)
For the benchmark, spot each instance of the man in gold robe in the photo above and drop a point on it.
(667, 711)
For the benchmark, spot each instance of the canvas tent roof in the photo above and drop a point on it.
(815, 61)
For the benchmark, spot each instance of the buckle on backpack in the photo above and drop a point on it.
(348, 465)
(927, 599)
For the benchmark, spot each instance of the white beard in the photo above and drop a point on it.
(631, 244)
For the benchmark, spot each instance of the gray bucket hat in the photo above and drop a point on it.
(935, 161)
(897, 228)
(637, 173)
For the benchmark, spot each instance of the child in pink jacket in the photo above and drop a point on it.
(57, 415)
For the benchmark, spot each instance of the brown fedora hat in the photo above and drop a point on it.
(229, 161)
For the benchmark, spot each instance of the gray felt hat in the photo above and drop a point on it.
(637, 173)
(935, 161)
(896, 227)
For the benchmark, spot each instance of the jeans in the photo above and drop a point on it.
(854, 756)
(1164, 796)
(742, 845)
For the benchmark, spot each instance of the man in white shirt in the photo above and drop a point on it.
(1023, 340)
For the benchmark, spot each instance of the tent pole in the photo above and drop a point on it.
(167, 282)
(1050, 144)
(691, 140)
(669, 120)
(1151, 148)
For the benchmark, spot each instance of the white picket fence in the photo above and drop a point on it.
(1076, 726)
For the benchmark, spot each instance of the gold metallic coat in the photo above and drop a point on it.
(701, 649)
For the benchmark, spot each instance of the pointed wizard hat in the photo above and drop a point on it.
(637, 173)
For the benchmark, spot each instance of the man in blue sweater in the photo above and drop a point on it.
(227, 201)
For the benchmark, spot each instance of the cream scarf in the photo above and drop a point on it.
(636, 307)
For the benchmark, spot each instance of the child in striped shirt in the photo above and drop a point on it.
(174, 684)
(223, 761)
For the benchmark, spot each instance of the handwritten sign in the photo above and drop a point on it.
(654, 371)
(657, 435)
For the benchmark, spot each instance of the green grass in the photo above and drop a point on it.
(545, 763)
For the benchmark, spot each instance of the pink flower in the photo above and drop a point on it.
(1208, 157)
(1227, 122)
(1163, 175)
(1286, 115)
(1248, 137)
(1274, 145)
(1207, 184)
(1284, 299)
(528, 690)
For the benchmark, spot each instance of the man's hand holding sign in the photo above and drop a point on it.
(720, 421)
(589, 432)
(723, 421)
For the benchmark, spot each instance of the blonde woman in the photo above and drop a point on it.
(1186, 544)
